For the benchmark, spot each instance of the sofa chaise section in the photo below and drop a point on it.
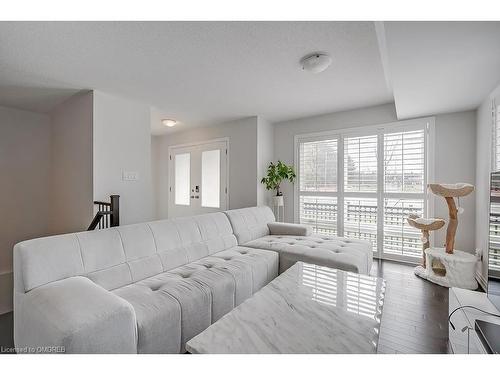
(255, 227)
(144, 288)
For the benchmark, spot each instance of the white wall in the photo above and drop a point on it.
(484, 133)
(454, 162)
(71, 165)
(242, 136)
(122, 142)
(265, 154)
(24, 186)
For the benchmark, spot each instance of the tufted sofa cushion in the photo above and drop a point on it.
(174, 306)
(336, 252)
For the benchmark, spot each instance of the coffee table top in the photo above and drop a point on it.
(307, 309)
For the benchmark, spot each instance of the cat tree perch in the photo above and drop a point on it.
(446, 266)
(425, 225)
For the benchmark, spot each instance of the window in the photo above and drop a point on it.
(210, 178)
(365, 183)
(182, 178)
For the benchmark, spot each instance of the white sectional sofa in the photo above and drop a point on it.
(255, 227)
(150, 287)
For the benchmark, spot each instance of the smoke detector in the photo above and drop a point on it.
(316, 62)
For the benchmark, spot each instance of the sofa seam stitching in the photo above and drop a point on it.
(81, 253)
(125, 256)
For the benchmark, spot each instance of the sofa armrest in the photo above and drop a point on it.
(289, 229)
(74, 315)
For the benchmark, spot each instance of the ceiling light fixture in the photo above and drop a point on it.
(169, 122)
(316, 62)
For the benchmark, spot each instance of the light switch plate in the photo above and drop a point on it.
(130, 176)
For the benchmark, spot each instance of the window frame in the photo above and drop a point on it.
(495, 122)
(427, 124)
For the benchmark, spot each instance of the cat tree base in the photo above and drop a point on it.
(449, 270)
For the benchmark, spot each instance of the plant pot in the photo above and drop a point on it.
(278, 201)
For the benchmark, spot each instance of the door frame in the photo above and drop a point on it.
(170, 179)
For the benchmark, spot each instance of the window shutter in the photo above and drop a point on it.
(318, 166)
(399, 237)
(360, 164)
(360, 219)
(320, 213)
(494, 248)
(404, 162)
(381, 182)
(496, 119)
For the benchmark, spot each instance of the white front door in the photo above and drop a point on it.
(198, 178)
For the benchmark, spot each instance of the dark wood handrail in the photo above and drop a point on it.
(107, 218)
(103, 203)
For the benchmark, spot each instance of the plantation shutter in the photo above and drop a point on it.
(404, 162)
(318, 166)
(318, 185)
(360, 164)
(494, 244)
(496, 141)
(365, 184)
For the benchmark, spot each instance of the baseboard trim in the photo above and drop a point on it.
(482, 281)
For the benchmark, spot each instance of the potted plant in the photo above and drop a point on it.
(276, 174)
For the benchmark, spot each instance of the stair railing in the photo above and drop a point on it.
(108, 214)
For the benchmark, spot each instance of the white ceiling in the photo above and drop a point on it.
(199, 73)
(202, 73)
(440, 67)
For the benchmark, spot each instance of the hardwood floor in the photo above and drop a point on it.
(414, 318)
(6, 332)
(415, 315)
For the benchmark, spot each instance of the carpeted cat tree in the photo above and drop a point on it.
(446, 266)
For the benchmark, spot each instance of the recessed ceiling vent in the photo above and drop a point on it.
(316, 62)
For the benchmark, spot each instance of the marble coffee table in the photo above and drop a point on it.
(307, 309)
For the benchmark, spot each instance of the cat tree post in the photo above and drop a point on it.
(450, 192)
(425, 225)
(451, 230)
